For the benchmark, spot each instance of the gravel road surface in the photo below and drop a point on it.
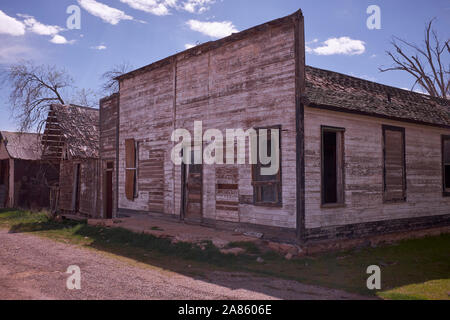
(32, 267)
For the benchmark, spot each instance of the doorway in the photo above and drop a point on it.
(4, 183)
(108, 190)
(76, 188)
(192, 180)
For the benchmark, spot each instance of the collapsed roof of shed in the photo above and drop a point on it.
(71, 130)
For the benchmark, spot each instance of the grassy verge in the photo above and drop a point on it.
(412, 269)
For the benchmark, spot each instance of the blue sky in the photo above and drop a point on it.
(143, 31)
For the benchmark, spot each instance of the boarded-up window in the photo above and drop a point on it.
(267, 188)
(130, 169)
(394, 164)
(332, 165)
(151, 177)
(446, 164)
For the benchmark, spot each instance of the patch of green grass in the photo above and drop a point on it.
(411, 269)
(156, 228)
(250, 247)
(429, 290)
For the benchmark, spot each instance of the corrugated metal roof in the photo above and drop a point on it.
(21, 145)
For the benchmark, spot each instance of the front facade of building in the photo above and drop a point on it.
(356, 158)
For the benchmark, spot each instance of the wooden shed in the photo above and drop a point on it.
(70, 140)
(357, 158)
(23, 175)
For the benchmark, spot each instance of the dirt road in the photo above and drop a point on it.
(32, 267)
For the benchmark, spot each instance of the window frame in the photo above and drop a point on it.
(402, 130)
(278, 183)
(445, 191)
(340, 193)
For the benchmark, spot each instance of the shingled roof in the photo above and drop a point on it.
(21, 145)
(340, 92)
(72, 129)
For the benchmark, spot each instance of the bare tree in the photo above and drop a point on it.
(110, 84)
(33, 88)
(425, 63)
(84, 97)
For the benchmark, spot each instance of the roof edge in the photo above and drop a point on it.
(107, 98)
(210, 45)
(375, 115)
(74, 106)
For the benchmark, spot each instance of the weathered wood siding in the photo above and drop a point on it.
(146, 115)
(364, 171)
(30, 189)
(109, 126)
(89, 186)
(246, 83)
(66, 185)
(109, 117)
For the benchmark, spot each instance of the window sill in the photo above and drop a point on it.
(333, 205)
(270, 205)
(446, 193)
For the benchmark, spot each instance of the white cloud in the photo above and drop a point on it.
(99, 47)
(39, 28)
(163, 7)
(213, 29)
(11, 26)
(197, 6)
(342, 45)
(159, 8)
(104, 12)
(189, 45)
(58, 39)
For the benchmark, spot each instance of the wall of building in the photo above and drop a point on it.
(364, 171)
(30, 188)
(89, 186)
(109, 126)
(245, 83)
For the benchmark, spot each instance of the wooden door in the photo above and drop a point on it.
(193, 191)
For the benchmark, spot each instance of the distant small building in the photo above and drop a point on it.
(23, 175)
(70, 141)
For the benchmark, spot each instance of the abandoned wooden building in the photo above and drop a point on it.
(357, 158)
(70, 142)
(22, 173)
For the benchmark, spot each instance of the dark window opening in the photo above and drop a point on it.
(446, 165)
(329, 167)
(447, 176)
(332, 166)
